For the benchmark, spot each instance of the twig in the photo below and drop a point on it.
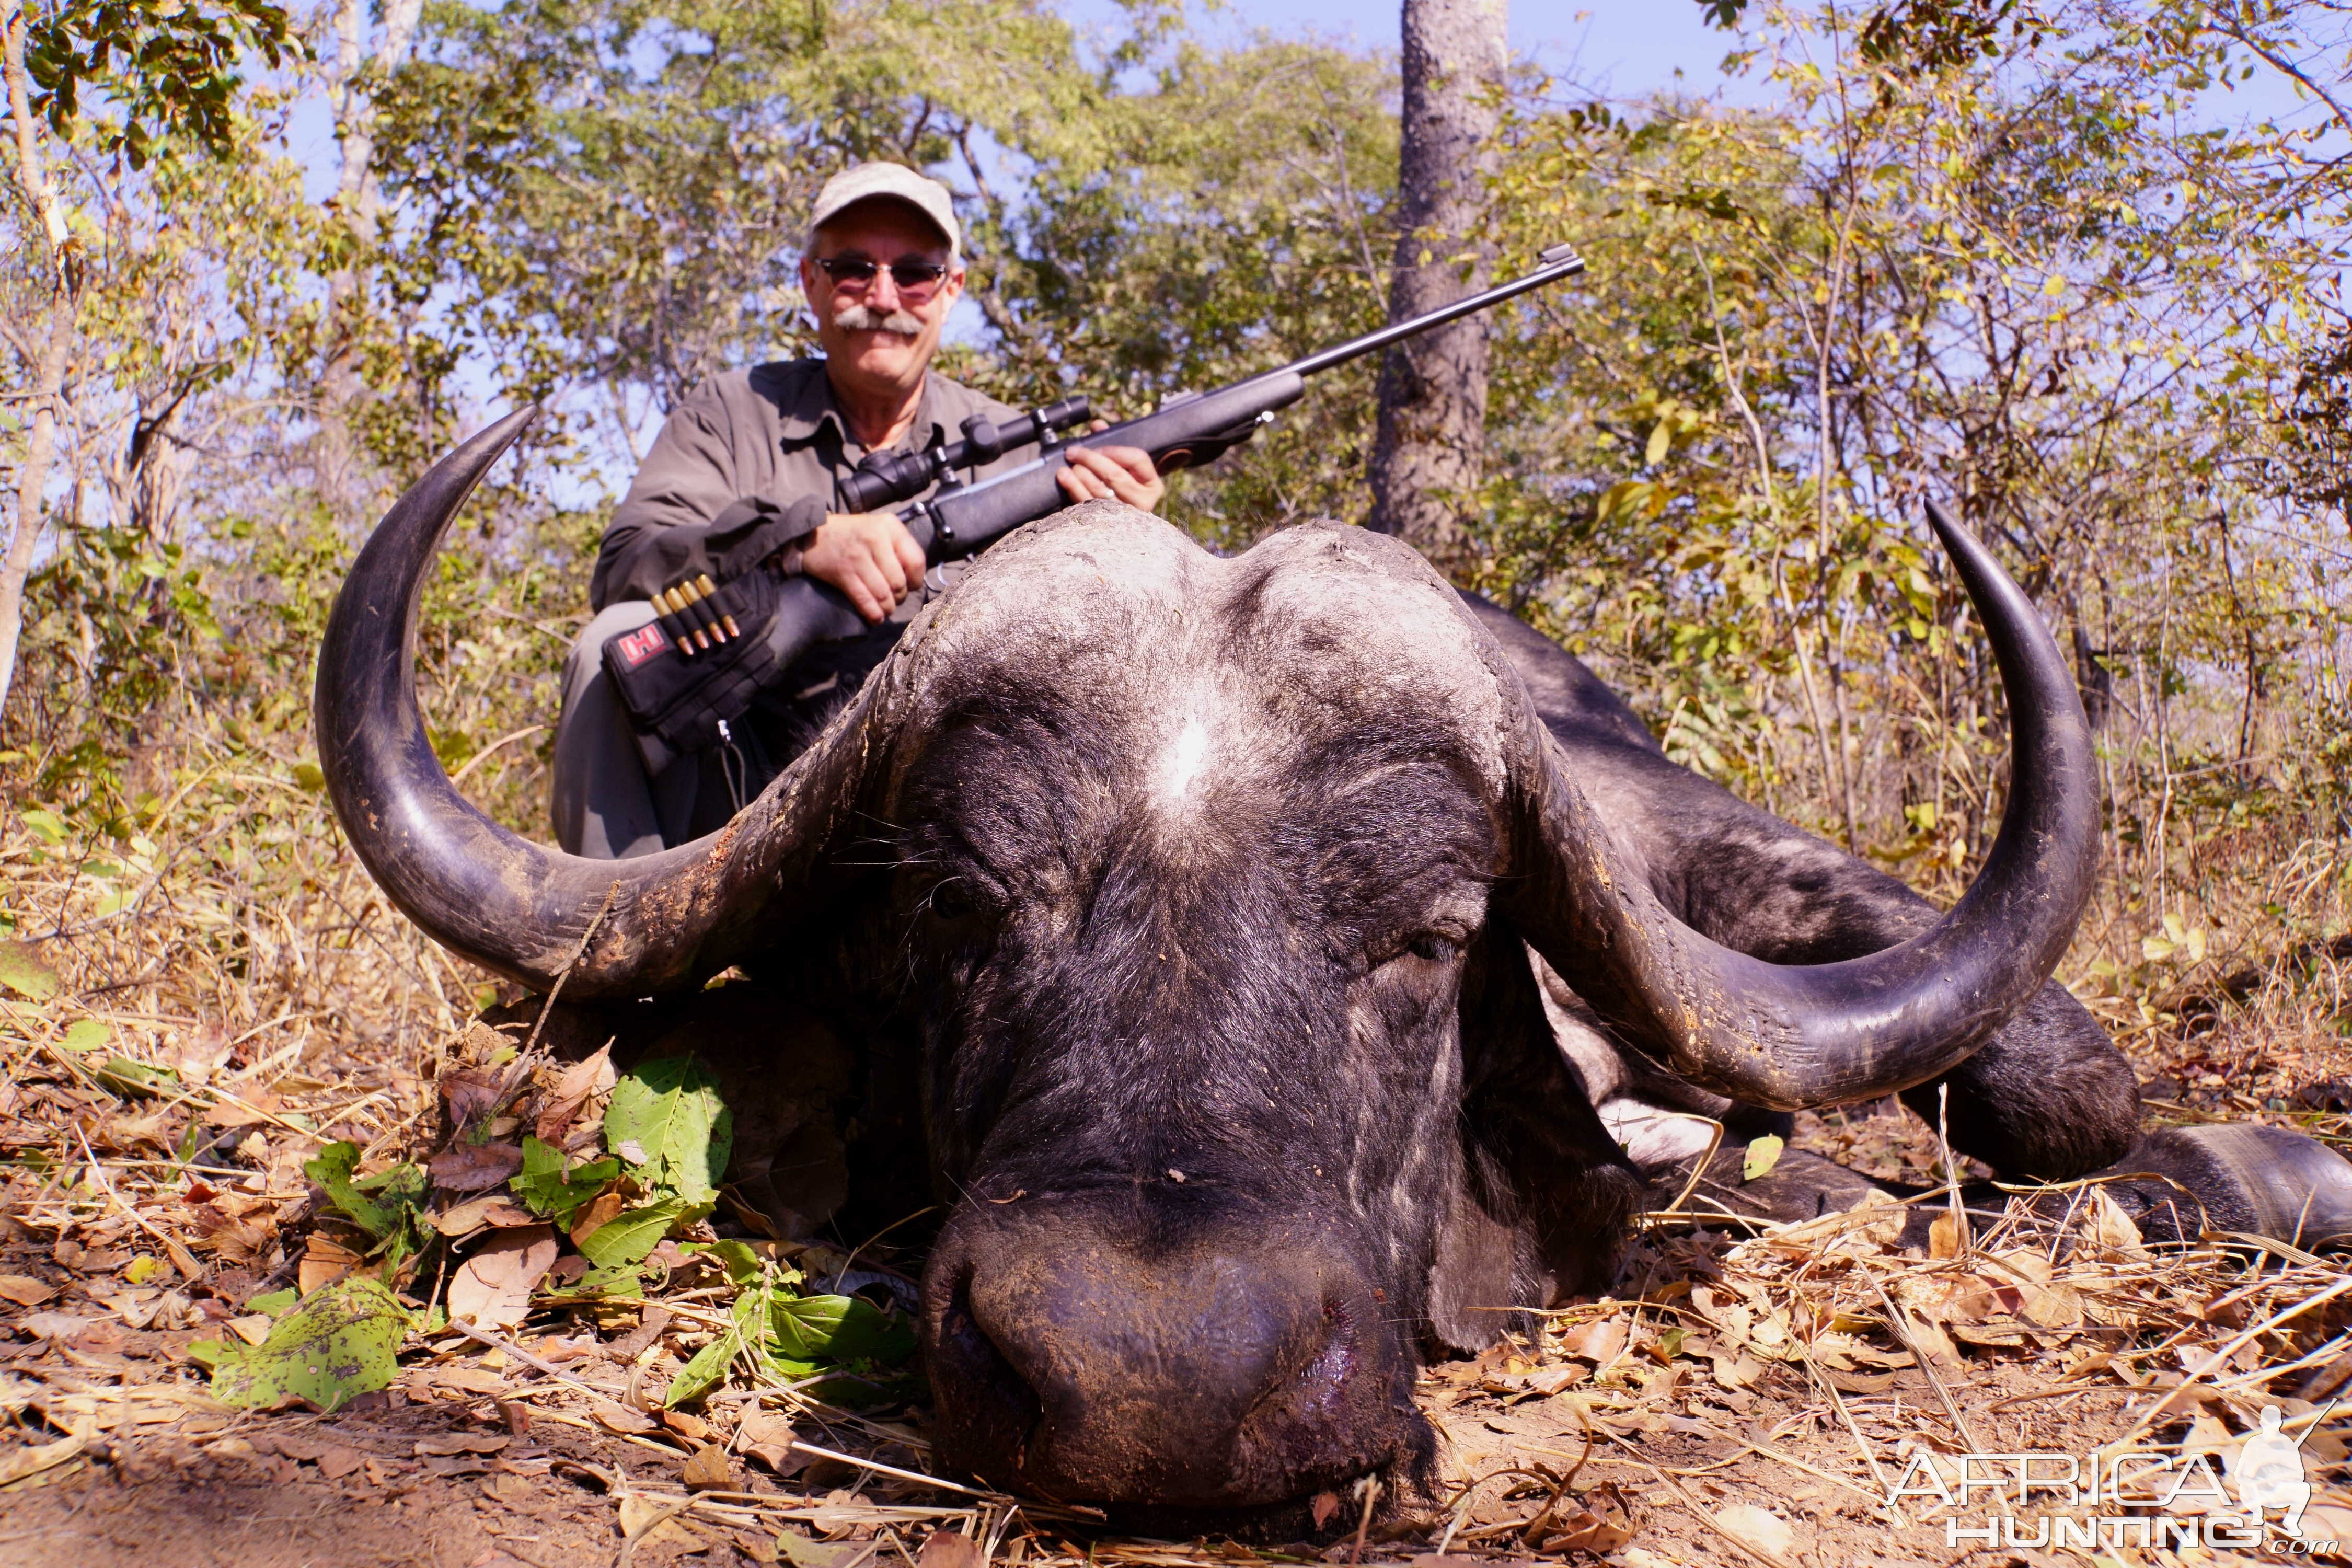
(521, 1354)
(2327, 1351)
(1696, 1513)
(182, 1259)
(271, 1117)
(257, 1029)
(1698, 1168)
(1875, 1501)
(570, 965)
(629, 1548)
(479, 757)
(1862, 1445)
(1900, 1321)
(2166, 1401)
(1958, 1210)
(880, 1468)
(1669, 1469)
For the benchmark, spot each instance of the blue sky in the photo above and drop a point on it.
(1624, 48)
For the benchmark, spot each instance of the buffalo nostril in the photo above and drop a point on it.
(1213, 1375)
(979, 1389)
(1317, 1392)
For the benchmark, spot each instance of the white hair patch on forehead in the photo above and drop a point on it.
(1184, 760)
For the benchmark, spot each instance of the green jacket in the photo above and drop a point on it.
(770, 434)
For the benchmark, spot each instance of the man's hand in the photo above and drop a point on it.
(869, 556)
(1098, 473)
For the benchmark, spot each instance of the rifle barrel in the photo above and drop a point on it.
(1567, 265)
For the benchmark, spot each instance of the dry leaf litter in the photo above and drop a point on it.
(275, 1294)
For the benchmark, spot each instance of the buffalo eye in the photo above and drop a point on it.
(951, 900)
(1429, 947)
(1435, 947)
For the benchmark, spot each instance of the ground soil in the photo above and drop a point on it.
(472, 1460)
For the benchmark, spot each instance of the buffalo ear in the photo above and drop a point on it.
(1545, 1196)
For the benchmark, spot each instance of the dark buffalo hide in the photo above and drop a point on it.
(1191, 931)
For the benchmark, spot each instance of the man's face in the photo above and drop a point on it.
(879, 331)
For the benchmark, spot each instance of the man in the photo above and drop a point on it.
(747, 472)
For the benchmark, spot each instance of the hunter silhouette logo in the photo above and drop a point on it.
(2113, 1500)
(2269, 1472)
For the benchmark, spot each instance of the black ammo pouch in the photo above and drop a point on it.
(678, 698)
(687, 677)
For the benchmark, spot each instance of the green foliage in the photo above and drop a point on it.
(776, 1334)
(340, 1343)
(134, 1080)
(25, 974)
(667, 1122)
(630, 1236)
(550, 1185)
(166, 67)
(1946, 35)
(814, 1328)
(1957, 262)
(388, 1205)
(135, 606)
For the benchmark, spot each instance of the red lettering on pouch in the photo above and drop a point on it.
(641, 645)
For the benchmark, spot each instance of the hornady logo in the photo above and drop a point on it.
(2096, 1500)
(641, 645)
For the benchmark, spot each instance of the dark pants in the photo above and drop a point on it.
(604, 804)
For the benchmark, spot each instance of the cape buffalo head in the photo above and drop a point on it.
(1205, 887)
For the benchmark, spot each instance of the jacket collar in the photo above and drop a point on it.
(802, 395)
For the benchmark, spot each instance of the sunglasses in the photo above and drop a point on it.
(912, 277)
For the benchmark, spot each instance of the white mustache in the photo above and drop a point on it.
(862, 318)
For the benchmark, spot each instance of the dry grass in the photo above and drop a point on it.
(1797, 1373)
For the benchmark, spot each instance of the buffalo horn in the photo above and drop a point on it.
(614, 927)
(1790, 1036)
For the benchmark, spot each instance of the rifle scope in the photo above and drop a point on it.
(885, 477)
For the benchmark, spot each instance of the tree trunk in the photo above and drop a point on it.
(1431, 440)
(56, 344)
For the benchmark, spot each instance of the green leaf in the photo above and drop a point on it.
(706, 1371)
(709, 1368)
(87, 1035)
(841, 1328)
(743, 1266)
(666, 1118)
(338, 1344)
(277, 1303)
(547, 1188)
(628, 1237)
(392, 1218)
(1763, 1154)
(136, 1079)
(622, 1280)
(48, 824)
(26, 975)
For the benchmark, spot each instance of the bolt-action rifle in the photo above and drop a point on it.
(1185, 432)
(780, 620)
